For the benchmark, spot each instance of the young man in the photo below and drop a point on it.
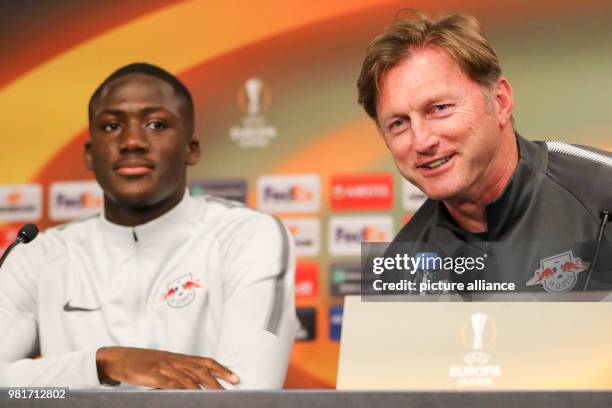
(162, 290)
(435, 90)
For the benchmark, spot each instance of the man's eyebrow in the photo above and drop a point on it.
(117, 112)
(153, 109)
(144, 111)
(424, 103)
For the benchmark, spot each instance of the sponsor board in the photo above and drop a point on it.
(20, 202)
(306, 324)
(345, 278)
(412, 197)
(306, 279)
(229, 189)
(306, 234)
(347, 233)
(335, 322)
(362, 192)
(70, 200)
(289, 193)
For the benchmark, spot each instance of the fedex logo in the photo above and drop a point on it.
(412, 197)
(20, 202)
(306, 234)
(306, 279)
(347, 233)
(289, 193)
(75, 199)
(362, 192)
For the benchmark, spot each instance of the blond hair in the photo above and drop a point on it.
(460, 35)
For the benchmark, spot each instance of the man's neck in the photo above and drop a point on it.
(470, 213)
(131, 216)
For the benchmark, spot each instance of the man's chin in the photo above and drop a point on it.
(135, 201)
(442, 194)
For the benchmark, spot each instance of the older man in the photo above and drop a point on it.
(162, 290)
(435, 90)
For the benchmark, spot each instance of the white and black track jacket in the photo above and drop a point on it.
(210, 278)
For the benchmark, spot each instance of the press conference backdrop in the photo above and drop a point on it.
(274, 88)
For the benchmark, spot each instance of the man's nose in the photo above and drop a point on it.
(425, 139)
(133, 138)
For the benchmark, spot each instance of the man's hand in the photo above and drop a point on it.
(160, 369)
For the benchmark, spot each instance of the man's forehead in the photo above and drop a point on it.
(138, 88)
(428, 64)
(425, 74)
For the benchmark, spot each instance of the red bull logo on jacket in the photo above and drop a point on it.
(559, 273)
(182, 291)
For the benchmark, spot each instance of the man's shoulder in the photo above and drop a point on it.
(232, 216)
(584, 171)
(417, 228)
(77, 229)
(53, 243)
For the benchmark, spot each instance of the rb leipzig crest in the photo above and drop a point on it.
(181, 292)
(559, 273)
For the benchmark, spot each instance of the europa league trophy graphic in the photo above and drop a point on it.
(254, 98)
(479, 322)
(253, 90)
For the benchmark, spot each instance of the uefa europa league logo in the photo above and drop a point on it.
(253, 88)
(479, 322)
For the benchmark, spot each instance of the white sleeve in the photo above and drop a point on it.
(258, 326)
(19, 340)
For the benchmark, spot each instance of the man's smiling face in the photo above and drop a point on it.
(439, 125)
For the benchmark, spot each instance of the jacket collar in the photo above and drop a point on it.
(506, 210)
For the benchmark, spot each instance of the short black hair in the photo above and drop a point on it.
(154, 71)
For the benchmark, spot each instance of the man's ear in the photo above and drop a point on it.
(503, 100)
(87, 155)
(193, 152)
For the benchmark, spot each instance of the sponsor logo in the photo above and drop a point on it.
(306, 279)
(345, 279)
(412, 197)
(69, 308)
(254, 98)
(335, 322)
(478, 333)
(20, 202)
(362, 192)
(559, 273)
(292, 193)
(181, 292)
(306, 234)
(306, 324)
(347, 233)
(231, 189)
(74, 199)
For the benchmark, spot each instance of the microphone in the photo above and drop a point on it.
(606, 215)
(26, 234)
